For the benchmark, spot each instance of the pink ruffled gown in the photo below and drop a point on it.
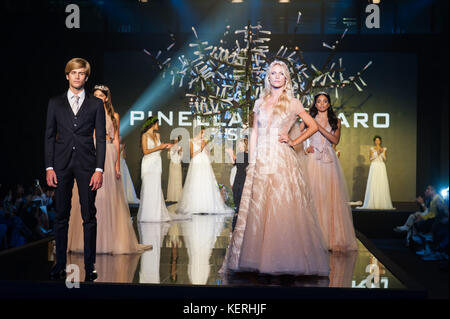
(277, 231)
(329, 190)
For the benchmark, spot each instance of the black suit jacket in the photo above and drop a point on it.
(66, 133)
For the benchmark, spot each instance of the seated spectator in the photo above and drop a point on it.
(49, 203)
(28, 214)
(19, 233)
(3, 229)
(422, 221)
(48, 196)
(8, 200)
(19, 197)
(16, 232)
(25, 217)
(3, 238)
(41, 229)
(437, 247)
(39, 194)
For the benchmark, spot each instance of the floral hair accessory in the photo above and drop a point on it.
(149, 123)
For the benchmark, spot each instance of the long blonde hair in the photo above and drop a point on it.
(285, 97)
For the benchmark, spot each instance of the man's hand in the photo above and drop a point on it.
(52, 181)
(96, 181)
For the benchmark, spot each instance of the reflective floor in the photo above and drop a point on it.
(192, 252)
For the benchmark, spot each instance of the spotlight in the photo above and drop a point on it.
(237, 1)
(284, 1)
(444, 193)
(375, 1)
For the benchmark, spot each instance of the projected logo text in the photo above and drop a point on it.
(364, 120)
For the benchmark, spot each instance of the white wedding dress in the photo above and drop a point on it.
(175, 184)
(152, 207)
(201, 193)
(377, 190)
(128, 187)
(200, 236)
(151, 234)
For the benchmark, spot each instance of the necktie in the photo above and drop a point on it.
(76, 105)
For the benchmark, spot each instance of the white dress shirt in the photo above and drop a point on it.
(70, 97)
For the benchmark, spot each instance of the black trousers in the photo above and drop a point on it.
(63, 204)
(424, 226)
(238, 187)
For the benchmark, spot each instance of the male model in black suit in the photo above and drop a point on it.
(72, 119)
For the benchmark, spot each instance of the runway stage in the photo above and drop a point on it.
(185, 261)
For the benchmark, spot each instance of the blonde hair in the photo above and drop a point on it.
(285, 97)
(78, 63)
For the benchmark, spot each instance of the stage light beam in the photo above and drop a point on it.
(444, 193)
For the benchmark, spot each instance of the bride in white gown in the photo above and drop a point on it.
(153, 233)
(175, 183)
(201, 193)
(377, 190)
(152, 207)
(128, 187)
(200, 236)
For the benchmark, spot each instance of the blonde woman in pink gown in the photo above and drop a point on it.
(277, 231)
(327, 180)
(115, 232)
